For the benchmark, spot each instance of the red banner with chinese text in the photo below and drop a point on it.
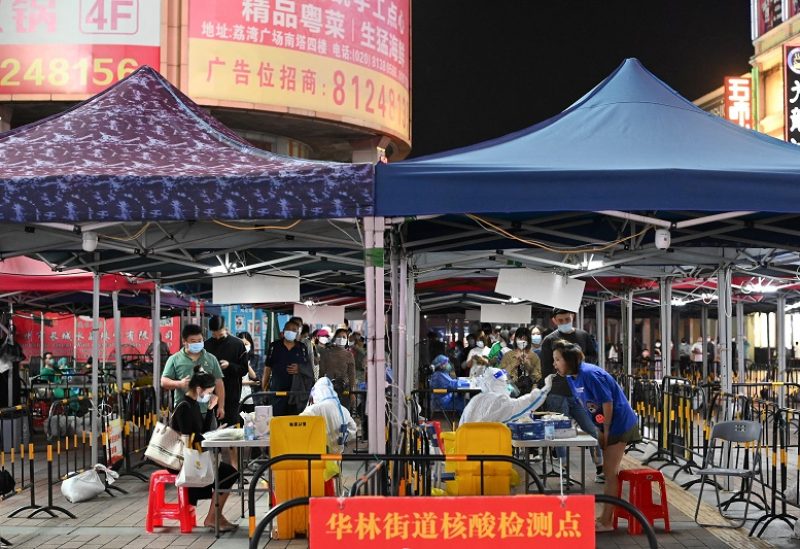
(483, 522)
(62, 339)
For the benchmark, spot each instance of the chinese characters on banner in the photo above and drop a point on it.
(791, 80)
(60, 337)
(481, 522)
(738, 99)
(341, 59)
(75, 46)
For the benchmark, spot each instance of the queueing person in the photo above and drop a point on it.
(337, 363)
(188, 420)
(442, 379)
(232, 357)
(180, 367)
(561, 399)
(603, 399)
(250, 379)
(522, 364)
(288, 367)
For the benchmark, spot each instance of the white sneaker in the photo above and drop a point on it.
(600, 478)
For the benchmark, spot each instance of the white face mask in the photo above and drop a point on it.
(341, 341)
(324, 340)
(521, 344)
(204, 398)
(247, 348)
(480, 344)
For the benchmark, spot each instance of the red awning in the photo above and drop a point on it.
(23, 274)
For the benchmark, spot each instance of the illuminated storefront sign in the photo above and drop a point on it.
(346, 60)
(75, 46)
(738, 100)
(791, 93)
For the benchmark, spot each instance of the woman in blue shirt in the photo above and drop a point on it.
(607, 405)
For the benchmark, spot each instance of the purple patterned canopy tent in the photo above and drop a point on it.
(141, 150)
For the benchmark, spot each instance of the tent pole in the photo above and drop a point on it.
(41, 337)
(581, 325)
(369, 281)
(780, 346)
(401, 375)
(666, 326)
(95, 363)
(74, 339)
(740, 347)
(600, 321)
(629, 332)
(376, 329)
(704, 336)
(117, 342)
(724, 329)
(156, 318)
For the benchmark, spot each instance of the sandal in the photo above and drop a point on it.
(223, 528)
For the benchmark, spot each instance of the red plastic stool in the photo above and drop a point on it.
(641, 496)
(158, 509)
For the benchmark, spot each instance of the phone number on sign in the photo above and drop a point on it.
(62, 75)
(364, 94)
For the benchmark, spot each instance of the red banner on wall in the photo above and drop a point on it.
(482, 522)
(65, 335)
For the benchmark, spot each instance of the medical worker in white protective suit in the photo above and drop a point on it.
(495, 404)
(339, 424)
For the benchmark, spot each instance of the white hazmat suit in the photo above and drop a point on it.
(494, 404)
(339, 424)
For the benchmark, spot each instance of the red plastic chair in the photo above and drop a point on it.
(158, 509)
(641, 496)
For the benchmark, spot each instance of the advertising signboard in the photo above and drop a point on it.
(75, 46)
(345, 60)
(791, 93)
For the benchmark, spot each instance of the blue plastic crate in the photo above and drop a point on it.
(527, 431)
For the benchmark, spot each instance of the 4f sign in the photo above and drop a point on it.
(109, 16)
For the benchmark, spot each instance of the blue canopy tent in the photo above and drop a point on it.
(141, 150)
(632, 143)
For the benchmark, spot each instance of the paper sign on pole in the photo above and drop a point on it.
(507, 314)
(545, 288)
(259, 288)
(326, 315)
(114, 450)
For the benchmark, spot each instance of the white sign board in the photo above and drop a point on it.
(545, 288)
(507, 314)
(259, 288)
(320, 315)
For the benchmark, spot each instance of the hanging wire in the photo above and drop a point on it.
(589, 248)
(257, 227)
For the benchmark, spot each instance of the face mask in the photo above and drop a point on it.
(247, 348)
(565, 328)
(521, 344)
(480, 344)
(195, 347)
(536, 338)
(341, 341)
(204, 398)
(324, 340)
(658, 345)
(290, 335)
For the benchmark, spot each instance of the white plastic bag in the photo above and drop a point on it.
(197, 470)
(88, 484)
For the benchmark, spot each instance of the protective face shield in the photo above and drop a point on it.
(441, 363)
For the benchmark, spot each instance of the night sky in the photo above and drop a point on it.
(485, 68)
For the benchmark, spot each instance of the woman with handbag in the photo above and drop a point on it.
(188, 421)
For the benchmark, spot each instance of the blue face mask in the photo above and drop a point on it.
(536, 339)
(195, 347)
(565, 328)
(290, 335)
(204, 398)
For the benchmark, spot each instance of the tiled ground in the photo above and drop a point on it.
(118, 522)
